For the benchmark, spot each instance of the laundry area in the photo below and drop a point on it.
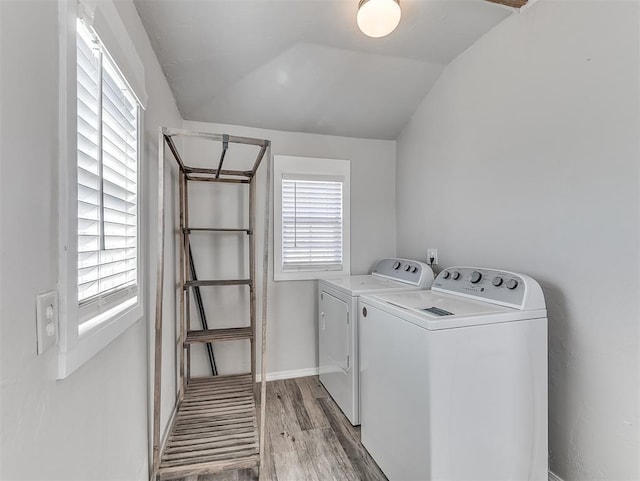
(291, 240)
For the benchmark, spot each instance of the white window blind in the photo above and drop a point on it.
(312, 224)
(107, 177)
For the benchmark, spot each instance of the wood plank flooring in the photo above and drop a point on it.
(308, 439)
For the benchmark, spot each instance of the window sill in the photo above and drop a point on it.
(309, 275)
(97, 334)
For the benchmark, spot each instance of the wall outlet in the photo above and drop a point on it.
(47, 320)
(432, 254)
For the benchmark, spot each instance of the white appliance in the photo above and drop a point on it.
(338, 324)
(454, 380)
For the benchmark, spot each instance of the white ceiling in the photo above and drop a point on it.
(303, 65)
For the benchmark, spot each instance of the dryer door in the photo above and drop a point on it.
(334, 339)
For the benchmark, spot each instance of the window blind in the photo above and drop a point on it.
(107, 175)
(312, 224)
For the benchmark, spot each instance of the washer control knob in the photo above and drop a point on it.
(475, 277)
(414, 269)
(497, 281)
(446, 274)
(455, 275)
(511, 284)
(396, 266)
(407, 268)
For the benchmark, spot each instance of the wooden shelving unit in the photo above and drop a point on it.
(214, 423)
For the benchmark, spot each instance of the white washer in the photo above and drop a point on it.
(338, 324)
(454, 380)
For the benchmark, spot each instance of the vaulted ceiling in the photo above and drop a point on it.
(303, 65)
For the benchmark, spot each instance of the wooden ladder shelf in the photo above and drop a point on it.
(214, 424)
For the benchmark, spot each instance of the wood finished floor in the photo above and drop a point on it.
(308, 439)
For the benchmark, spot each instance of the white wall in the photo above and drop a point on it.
(524, 156)
(92, 425)
(292, 341)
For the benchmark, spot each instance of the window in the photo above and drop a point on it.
(107, 176)
(311, 217)
(312, 223)
(101, 100)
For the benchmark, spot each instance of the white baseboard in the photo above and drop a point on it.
(554, 477)
(275, 376)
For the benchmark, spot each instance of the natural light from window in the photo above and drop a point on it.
(107, 182)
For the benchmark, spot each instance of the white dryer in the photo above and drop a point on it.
(338, 324)
(454, 380)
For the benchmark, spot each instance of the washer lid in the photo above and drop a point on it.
(436, 310)
(366, 284)
(442, 305)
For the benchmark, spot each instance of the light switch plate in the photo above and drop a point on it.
(47, 320)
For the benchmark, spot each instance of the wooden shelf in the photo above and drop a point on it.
(223, 282)
(189, 230)
(200, 170)
(215, 428)
(214, 419)
(224, 180)
(213, 335)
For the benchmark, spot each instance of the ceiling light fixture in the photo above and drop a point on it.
(377, 18)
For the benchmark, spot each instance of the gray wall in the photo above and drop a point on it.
(92, 425)
(292, 341)
(524, 156)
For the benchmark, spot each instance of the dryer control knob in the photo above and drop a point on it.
(475, 277)
(512, 284)
(497, 281)
(407, 268)
(396, 265)
(455, 275)
(446, 275)
(414, 269)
